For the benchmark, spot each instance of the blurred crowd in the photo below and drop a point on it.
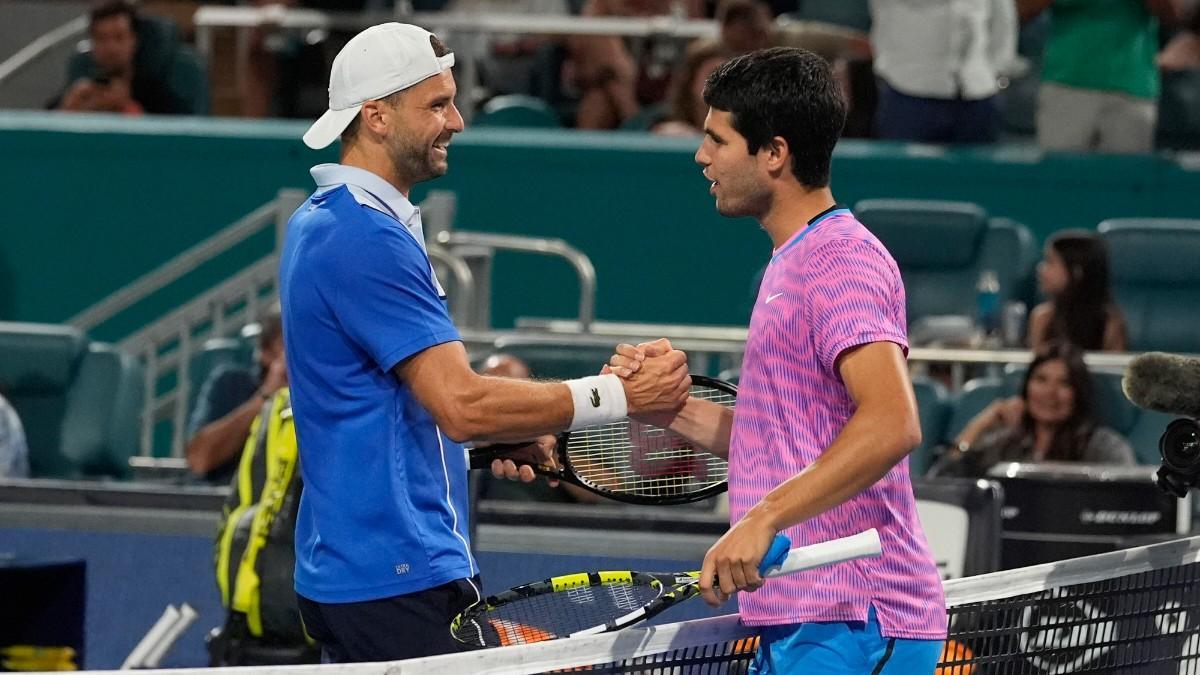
(1077, 75)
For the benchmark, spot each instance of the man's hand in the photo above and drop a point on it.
(540, 452)
(660, 384)
(628, 360)
(276, 377)
(735, 558)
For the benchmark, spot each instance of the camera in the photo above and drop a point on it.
(1180, 450)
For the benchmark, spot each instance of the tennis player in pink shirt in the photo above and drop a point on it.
(825, 414)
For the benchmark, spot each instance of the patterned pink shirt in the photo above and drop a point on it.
(831, 287)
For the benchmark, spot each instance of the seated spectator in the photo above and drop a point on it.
(135, 66)
(14, 452)
(229, 401)
(510, 63)
(1053, 420)
(938, 66)
(1073, 274)
(613, 85)
(686, 108)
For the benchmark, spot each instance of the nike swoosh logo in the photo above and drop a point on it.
(772, 297)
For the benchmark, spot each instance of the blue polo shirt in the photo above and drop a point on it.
(384, 506)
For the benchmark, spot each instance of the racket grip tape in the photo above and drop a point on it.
(776, 554)
(862, 545)
(482, 457)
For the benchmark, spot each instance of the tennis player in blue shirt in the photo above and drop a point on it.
(382, 390)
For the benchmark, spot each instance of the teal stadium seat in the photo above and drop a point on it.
(854, 14)
(79, 401)
(933, 408)
(517, 110)
(214, 354)
(943, 246)
(1155, 268)
(975, 395)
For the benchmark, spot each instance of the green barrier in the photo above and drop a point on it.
(95, 201)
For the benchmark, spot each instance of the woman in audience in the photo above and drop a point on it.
(685, 102)
(1073, 275)
(1053, 420)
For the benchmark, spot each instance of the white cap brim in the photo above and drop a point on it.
(329, 127)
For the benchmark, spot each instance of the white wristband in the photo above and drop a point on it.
(598, 399)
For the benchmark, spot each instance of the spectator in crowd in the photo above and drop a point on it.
(938, 66)
(685, 107)
(14, 452)
(613, 85)
(229, 401)
(135, 66)
(512, 63)
(1079, 308)
(1053, 419)
(1100, 83)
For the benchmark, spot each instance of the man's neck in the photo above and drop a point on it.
(791, 210)
(377, 163)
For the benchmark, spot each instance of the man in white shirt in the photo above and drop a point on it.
(938, 64)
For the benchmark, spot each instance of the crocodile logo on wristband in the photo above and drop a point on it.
(595, 398)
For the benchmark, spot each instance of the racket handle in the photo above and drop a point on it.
(776, 554)
(862, 545)
(481, 458)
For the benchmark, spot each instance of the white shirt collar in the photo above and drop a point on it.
(329, 176)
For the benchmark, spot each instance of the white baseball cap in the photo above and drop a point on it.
(379, 61)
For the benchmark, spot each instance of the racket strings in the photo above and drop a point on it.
(630, 457)
(547, 616)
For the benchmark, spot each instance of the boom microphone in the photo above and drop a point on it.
(1164, 382)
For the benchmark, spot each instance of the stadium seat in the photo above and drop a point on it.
(940, 279)
(214, 354)
(78, 401)
(975, 395)
(933, 408)
(517, 110)
(1155, 265)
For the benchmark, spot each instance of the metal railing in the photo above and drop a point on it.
(42, 45)
(482, 244)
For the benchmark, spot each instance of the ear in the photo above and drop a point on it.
(375, 116)
(777, 155)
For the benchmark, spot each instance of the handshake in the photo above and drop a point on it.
(654, 376)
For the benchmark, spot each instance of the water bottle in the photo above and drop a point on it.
(1012, 323)
(987, 303)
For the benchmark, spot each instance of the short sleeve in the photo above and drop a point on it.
(386, 301)
(853, 296)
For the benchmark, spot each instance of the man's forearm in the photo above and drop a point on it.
(706, 424)
(219, 441)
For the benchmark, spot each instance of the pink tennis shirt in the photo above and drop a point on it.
(831, 287)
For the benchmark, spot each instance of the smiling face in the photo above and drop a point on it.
(426, 119)
(1050, 397)
(737, 178)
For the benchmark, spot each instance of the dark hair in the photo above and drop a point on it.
(113, 8)
(347, 137)
(1081, 310)
(1072, 436)
(786, 92)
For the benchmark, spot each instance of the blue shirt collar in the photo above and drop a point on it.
(328, 176)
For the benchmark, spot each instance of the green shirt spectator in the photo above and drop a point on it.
(1108, 45)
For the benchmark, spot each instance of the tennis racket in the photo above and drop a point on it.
(633, 462)
(599, 602)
